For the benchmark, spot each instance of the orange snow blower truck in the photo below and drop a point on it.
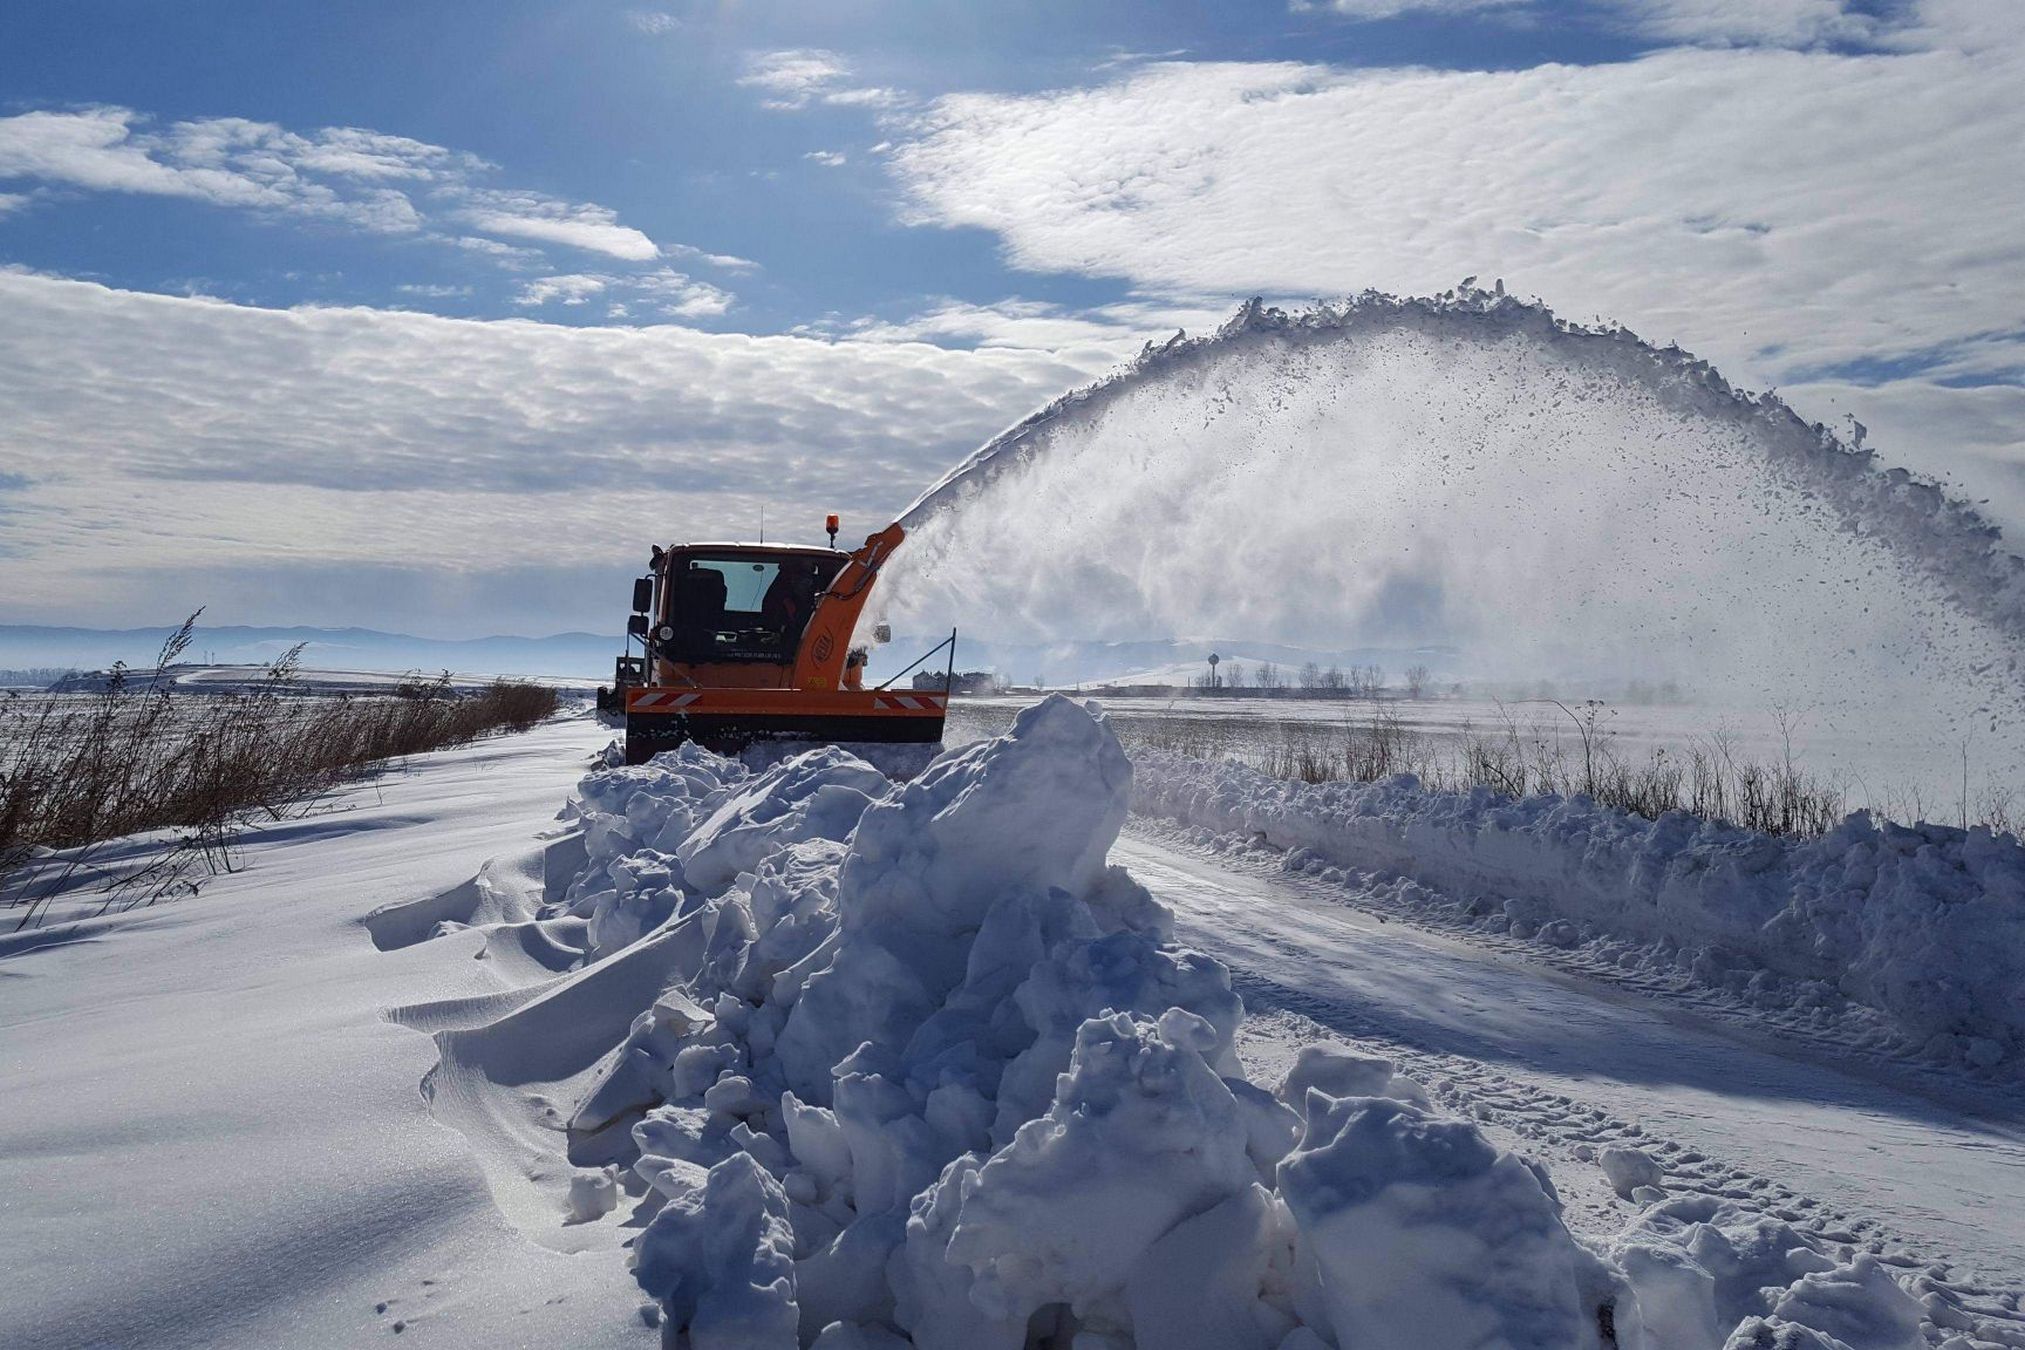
(753, 642)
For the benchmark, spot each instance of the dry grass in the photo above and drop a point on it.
(1706, 779)
(78, 771)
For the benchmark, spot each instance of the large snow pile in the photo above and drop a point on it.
(923, 1069)
(1924, 923)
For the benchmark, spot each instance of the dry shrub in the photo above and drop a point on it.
(77, 771)
(1519, 759)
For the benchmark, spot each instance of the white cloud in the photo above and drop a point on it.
(216, 446)
(866, 97)
(1787, 23)
(367, 179)
(798, 77)
(794, 77)
(1783, 23)
(1775, 210)
(431, 290)
(679, 296)
(1967, 25)
(829, 159)
(572, 289)
(1120, 58)
(1388, 9)
(501, 252)
(339, 172)
(729, 262)
(595, 229)
(352, 152)
(12, 201)
(664, 290)
(1089, 336)
(653, 22)
(96, 149)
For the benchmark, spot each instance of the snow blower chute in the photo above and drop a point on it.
(753, 642)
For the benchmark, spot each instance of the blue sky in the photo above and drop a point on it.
(427, 316)
(649, 112)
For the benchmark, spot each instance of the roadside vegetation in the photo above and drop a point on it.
(80, 771)
(1574, 754)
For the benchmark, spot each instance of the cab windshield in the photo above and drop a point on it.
(742, 607)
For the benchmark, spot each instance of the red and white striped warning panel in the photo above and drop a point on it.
(779, 702)
(667, 700)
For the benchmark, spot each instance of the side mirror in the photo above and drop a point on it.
(643, 595)
(637, 625)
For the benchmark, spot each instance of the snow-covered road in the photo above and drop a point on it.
(1517, 1035)
(210, 1134)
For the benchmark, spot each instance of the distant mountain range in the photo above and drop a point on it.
(583, 655)
(589, 655)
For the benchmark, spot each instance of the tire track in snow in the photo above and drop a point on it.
(1310, 965)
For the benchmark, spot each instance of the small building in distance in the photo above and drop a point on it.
(968, 682)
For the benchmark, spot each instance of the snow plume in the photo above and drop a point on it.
(914, 1066)
(1556, 501)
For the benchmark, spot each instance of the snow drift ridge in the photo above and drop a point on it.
(1925, 923)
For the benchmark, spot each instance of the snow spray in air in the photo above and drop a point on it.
(1553, 501)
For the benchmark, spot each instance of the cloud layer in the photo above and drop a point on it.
(1797, 205)
(360, 179)
(1793, 23)
(207, 447)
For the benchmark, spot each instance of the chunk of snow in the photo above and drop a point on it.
(1629, 1169)
(1199, 1286)
(593, 1194)
(1424, 1234)
(816, 795)
(1335, 1070)
(720, 1257)
(1142, 1134)
(1860, 1305)
(1769, 1333)
(853, 1336)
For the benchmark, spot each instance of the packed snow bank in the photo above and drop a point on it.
(1924, 923)
(925, 1070)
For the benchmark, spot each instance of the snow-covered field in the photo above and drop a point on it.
(1897, 768)
(787, 1055)
(211, 1133)
(232, 679)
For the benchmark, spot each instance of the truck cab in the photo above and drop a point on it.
(733, 616)
(750, 642)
